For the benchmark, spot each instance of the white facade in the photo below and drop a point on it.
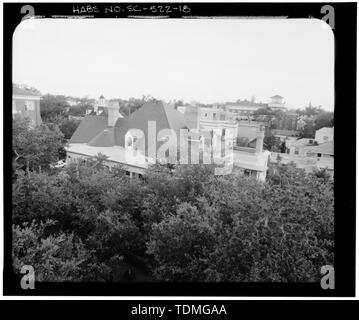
(277, 102)
(324, 135)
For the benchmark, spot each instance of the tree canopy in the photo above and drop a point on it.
(175, 224)
(35, 147)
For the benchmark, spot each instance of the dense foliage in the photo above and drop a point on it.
(52, 106)
(35, 148)
(85, 222)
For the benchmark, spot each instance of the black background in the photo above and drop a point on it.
(345, 143)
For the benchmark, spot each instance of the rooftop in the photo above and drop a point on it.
(324, 148)
(24, 92)
(94, 129)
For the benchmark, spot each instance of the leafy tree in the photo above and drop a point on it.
(270, 142)
(308, 130)
(52, 106)
(91, 202)
(56, 257)
(324, 119)
(262, 111)
(68, 127)
(181, 244)
(35, 147)
(280, 231)
(322, 174)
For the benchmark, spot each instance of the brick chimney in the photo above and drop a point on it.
(113, 112)
(260, 139)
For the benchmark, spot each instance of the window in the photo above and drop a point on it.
(214, 116)
(325, 138)
(130, 140)
(29, 105)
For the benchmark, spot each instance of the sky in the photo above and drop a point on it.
(204, 60)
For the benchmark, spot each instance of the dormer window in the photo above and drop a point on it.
(130, 141)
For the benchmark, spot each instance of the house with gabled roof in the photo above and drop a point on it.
(110, 133)
(135, 141)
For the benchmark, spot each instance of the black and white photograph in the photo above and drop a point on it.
(173, 150)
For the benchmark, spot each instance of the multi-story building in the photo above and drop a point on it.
(243, 109)
(218, 120)
(138, 140)
(306, 155)
(26, 103)
(277, 102)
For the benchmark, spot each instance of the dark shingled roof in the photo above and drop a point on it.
(105, 138)
(89, 127)
(94, 130)
(24, 92)
(166, 117)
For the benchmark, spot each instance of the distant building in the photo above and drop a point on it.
(309, 157)
(27, 104)
(298, 147)
(324, 135)
(285, 134)
(288, 121)
(218, 120)
(277, 102)
(244, 108)
(108, 132)
(324, 155)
